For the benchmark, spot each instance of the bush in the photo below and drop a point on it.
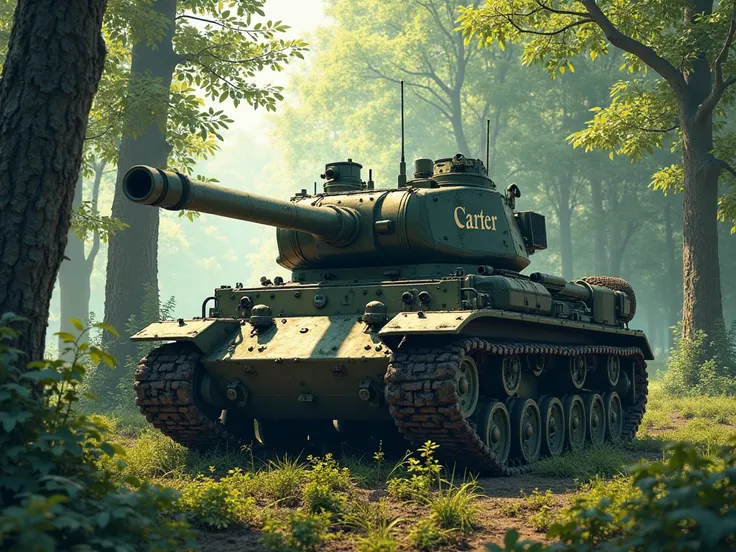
(688, 374)
(426, 536)
(211, 504)
(155, 455)
(326, 487)
(300, 532)
(283, 480)
(685, 503)
(425, 474)
(376, 526)
(57, 489)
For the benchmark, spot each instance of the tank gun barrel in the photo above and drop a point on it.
(173, 191)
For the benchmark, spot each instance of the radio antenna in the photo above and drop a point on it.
(402, 165)
(488, 146)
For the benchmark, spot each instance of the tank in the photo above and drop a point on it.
(406, 314)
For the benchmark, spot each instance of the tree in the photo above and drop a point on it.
(54, 63)
(177, 46)
(686, 43)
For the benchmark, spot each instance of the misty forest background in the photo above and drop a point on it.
(605, 213)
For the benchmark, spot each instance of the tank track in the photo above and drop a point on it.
(164, 383)
(421, 393)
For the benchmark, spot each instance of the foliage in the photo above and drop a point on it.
(453, 507)
(212, 504)
(283, 480)
(606, 460)
(689, 375)
(299, 532)
(426, 536)
(326, 485)
(376, 525)
(672, 39)
(56, 481)
(684, 503)
(153, 455)
(424, 473)
(87, 220)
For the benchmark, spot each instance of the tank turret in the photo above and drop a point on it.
(452, 215)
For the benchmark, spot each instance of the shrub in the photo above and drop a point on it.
(426, 536)
(424, 473)
(300, 532)
(56, 485)
(211, 504)
(283, 480)
(685, 503)
(154, 455)
(376, 525)
(326, 487)
(453, 507)
(688, 374)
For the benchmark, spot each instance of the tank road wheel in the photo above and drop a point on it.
(169, 393)
(614, 416)
(578, 371)
(494, 429)
(613, 369)
(511, 374)
(526, 434)
(595, 419)
(553, 425)
(575, 416)
(466, 386)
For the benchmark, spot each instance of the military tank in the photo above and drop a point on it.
(407, 311)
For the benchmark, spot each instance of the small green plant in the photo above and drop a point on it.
(212, 505)
(426, 536)
(283, 479)
(454, 507)
(299, 532)
(538, 506)
(424, 475)
(58, 487)
(605, 459)
(153, 455)
(684, 503)
(327, 485)
(376, 525)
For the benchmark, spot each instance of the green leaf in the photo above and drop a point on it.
(77, 324)
(108, 328)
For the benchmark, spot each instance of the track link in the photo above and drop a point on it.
(422, 397)
(164, 394)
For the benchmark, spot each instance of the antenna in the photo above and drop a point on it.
(488, 146)
(402, 165)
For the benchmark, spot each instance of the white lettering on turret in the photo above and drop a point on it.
(477, 221)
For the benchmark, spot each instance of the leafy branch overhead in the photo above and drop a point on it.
(219, 48)
(666, 45)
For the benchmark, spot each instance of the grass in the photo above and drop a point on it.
(379, 504)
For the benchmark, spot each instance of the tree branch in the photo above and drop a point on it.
(560, 12)
(719, 87)
(724, 165)
(645, 53)
(547, 33)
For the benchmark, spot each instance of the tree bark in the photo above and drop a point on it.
(75, 273)
(133, 253)
(54, 63)
(673, 281)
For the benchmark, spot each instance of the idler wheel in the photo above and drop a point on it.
(466, 386)
(595, 419)
(511, 374)
(494, 428)
(553, 425)
(526, 434)
(537, 364)
(578, 371)
(613, 369)
(614, 416)
(575, 421)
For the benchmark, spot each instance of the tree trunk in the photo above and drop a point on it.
(54, 63)
(75, 273)
(564, 214)
(672, 279)
(599, 224)
(133, 253)
(702, 307)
